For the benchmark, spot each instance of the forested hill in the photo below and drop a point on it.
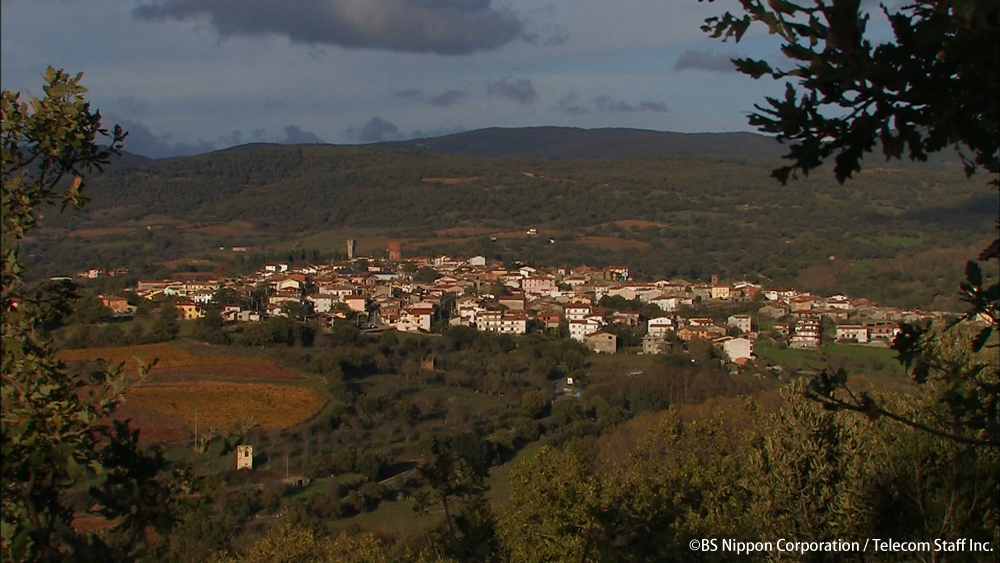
(898, 235)
(560, 143)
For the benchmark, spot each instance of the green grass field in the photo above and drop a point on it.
(863, 363)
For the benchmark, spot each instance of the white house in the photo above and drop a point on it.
(741, 322)
(576, 312)
(580, 329)
(504, 322)
(737, 348)
(658, 328)
(670, 303)
(807, 334)
(858, 333)
(322, 303)
(340, 291)
(416, 317)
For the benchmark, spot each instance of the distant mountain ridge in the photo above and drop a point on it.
(564, 143)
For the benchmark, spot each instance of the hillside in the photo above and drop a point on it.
(560, 143)
(892, 234)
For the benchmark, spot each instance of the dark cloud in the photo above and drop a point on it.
(130, 106)
(143, 142)
(442, 100)
(257, 134)
(410, 94)
(294, 135)
(448, 27)
(436, 132)
(448, 98)
(520, 90)
(704, 60)
(376, 130)
(570, 105)
(607, 104)
(232, 139)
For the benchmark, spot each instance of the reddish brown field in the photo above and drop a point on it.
(451, 180)
(233, 229)
(167, 356)
(223, 404)
(628, 223)
(378, 244)
(251, 372)
(102, 232)
(511, 234)
(612, 243)
(153, 426)
(90, 522)
(222, 390)
(156, 220)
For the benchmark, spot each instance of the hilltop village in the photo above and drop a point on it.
(603, 308)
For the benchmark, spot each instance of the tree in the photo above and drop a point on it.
(54, 430)
(656, 483)
(534, 402)
(166, 326)
(90, 310)
(935, 85)
(426, 274)
(227, 296)
(293, 310)
(209, 328)
(456, 472)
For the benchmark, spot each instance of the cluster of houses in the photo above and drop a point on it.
(490, 297)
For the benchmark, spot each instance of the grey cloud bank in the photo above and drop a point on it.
(444, 99)
(448, 98)
(520, 90)
(570, 105)
(377, 129)
(447, 27)
(294, 135)
(143, 142)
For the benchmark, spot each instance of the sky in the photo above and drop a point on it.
(191, 76)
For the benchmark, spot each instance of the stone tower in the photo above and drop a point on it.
(244, 457)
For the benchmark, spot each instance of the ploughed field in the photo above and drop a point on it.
(218, 390)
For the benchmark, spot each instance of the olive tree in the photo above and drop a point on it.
(56, 433)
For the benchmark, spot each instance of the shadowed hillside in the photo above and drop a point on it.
(560, 143)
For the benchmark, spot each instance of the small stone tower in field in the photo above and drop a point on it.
(244, 457)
